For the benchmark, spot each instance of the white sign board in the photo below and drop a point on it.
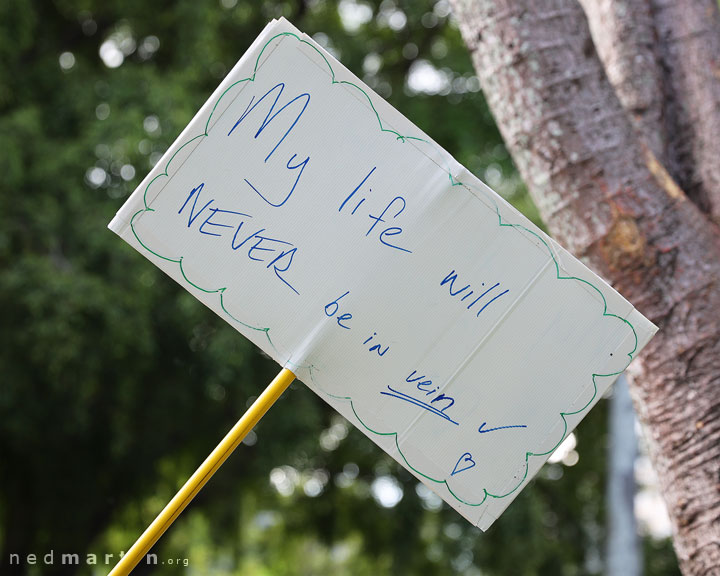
(334, 234)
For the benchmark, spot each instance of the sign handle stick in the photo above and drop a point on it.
(173, 509)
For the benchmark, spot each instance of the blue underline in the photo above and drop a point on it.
(431, 409)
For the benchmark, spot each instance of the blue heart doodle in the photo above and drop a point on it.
(465, 459)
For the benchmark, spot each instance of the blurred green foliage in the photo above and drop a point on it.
(115, 383)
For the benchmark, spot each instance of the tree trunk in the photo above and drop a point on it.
(613, 204)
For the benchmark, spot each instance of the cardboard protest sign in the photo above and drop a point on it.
(329, 230)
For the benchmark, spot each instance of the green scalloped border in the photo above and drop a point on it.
(266, 330)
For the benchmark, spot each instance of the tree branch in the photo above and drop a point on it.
(689, 52)
(624, 35)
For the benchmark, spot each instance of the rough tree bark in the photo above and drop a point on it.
(663, 59)
(688, 45)
(617, 207)
(624, 35)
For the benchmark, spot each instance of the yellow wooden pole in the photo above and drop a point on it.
(233, 438)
